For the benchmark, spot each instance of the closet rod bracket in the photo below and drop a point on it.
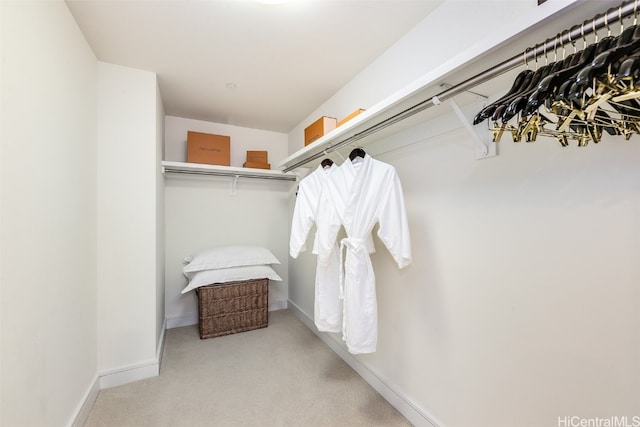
(447, 86)
(233, 188)
(484, 144)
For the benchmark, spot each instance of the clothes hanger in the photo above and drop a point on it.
(516, 102)
(356, 152)
(550, 84)
(501, 110)
(630, 68)
(520, 81)
(627, 43)
(601, 74)
(563, 84)
(561, 80)
(520, 104)
(584, 130)
(591, 92)
(562, 94)
(521, 101)
(326, 163)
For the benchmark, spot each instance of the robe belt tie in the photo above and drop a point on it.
(353, 244)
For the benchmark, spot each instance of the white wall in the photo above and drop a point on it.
(201, 212)
(82, 255)
(129, 188)
(522, 303)
(523, 284)
(1, 139)
(160, 223)
(48, 211)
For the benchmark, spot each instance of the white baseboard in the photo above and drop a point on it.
(278, 305)
(128, 374)
(109, 379)
(409, 410)
(81, 414)
(118, 377)
(140, 371)
(187, 319)
(160, 346)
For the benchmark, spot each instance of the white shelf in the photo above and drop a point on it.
(357, 131)
(232, 171)
(381, 111)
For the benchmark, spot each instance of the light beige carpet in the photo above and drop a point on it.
(282, 375)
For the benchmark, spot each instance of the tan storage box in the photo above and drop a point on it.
(320, 127)
(350, 116)
(257, 156)
(231, 307)
(208, 148)
(256, 165)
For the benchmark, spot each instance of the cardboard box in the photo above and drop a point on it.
(257, 165)
(320, 127)
(350, 116)
(257, 157)
(208, 148)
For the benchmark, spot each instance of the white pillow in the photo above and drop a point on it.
(229, 256)
(222, 275)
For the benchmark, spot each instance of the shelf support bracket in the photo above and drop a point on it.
(484, 145)
(233, 190)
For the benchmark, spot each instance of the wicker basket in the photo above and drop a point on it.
(231, 307)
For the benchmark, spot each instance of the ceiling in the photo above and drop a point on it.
(244, 63)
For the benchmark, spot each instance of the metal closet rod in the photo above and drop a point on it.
(576, 32)
(231, 174)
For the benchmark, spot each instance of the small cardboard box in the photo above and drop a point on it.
(350, 116)
(257, 165)
(257, 156)
(208, 148)
(320, 127)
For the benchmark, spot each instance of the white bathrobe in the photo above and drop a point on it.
(311, 207)
(364, 193)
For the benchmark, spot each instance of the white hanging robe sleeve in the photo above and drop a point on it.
(394, 226)
(306, 209)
